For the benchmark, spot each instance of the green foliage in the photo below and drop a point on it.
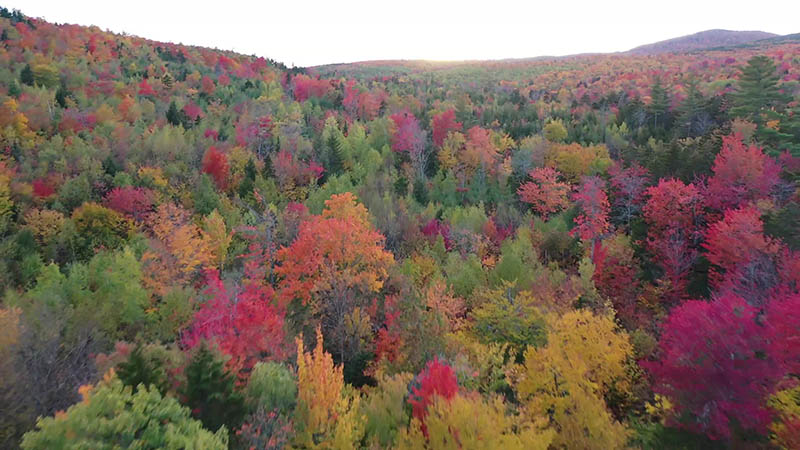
(114, 416)
(503, 316)
(273, 387)
(143, 369)
(106, 292)
(464, 274)
(205, 196)
(210, 392)
(385, 409)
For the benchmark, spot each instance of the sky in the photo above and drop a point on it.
(307, 33)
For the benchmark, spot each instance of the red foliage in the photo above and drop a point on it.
(734, 242)
(145, 89)
(628, 189)
(437, 378)
(742, 174)
(134, 202)
(545, 193)
(407, 136)
(243, 323)
(306, 87)
(713, 368)
(193, 111)
(442, 124)
(42, 189)
(215, 163)
(389, 338)
(672, 213)
(783, 315)
(592, 221)
(208, 86)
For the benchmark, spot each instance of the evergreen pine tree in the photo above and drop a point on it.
(758, 90)
(659, 105)
(173, 115)
(248, 182)
(335, 163)
(26, 76)
(692, 116)
(210, 392)
(139, 369)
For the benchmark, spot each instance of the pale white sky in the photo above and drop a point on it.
(314, 32)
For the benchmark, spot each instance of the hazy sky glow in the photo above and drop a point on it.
(307, 33)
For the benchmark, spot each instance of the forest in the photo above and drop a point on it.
(206, 250)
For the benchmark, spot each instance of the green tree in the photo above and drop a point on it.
(210, 392)
(26, 76)
(758, 90)
(659, 105)
(112, 416)
(141, 369)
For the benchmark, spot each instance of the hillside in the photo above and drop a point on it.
(203, 249)
(700, 41)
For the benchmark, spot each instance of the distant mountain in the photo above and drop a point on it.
(702, 41)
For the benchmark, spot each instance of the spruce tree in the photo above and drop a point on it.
(758, 90)
(659, 105)
(335, 163)
(173, 115)
(140, 369)
(210, 392)
(26, 76)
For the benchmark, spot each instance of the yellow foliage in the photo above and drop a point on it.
(470, 422)
(575, 160)
(217, 237)
(786, 404)
(568, 377)
(44, 223)
(326, 416)
(153, 176)
(179, 249)
(452, 146)
(345, 206)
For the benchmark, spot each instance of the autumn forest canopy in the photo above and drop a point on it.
(202, 249)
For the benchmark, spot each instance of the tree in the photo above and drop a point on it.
(325, 412)
(179, 250)
(567, 379)
(673, 214)
(436, 380)
(244, 324)
(734, 243)
(545, 193)
(210, 392)
(627, 188)
(470, 422)
(442, 124)
(215, 163)
(659, 104)
(714, 367)
(112, 415)
(592, 222)
(742, 174)
(99, 227)
(555, 131)
(757, 90)
(410, 138)
(336, 263)
(131, 201)
(26, 76)
(141, 369)
(693, 118)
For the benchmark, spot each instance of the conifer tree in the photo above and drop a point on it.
(210, 392)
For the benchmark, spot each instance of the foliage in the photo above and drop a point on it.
(140, 419)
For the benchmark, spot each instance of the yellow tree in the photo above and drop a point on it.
(566, 379)
(327, 415)
(469, 422)
(217, 236)
(178, 251)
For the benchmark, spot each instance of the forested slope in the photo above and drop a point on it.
(212, 250)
